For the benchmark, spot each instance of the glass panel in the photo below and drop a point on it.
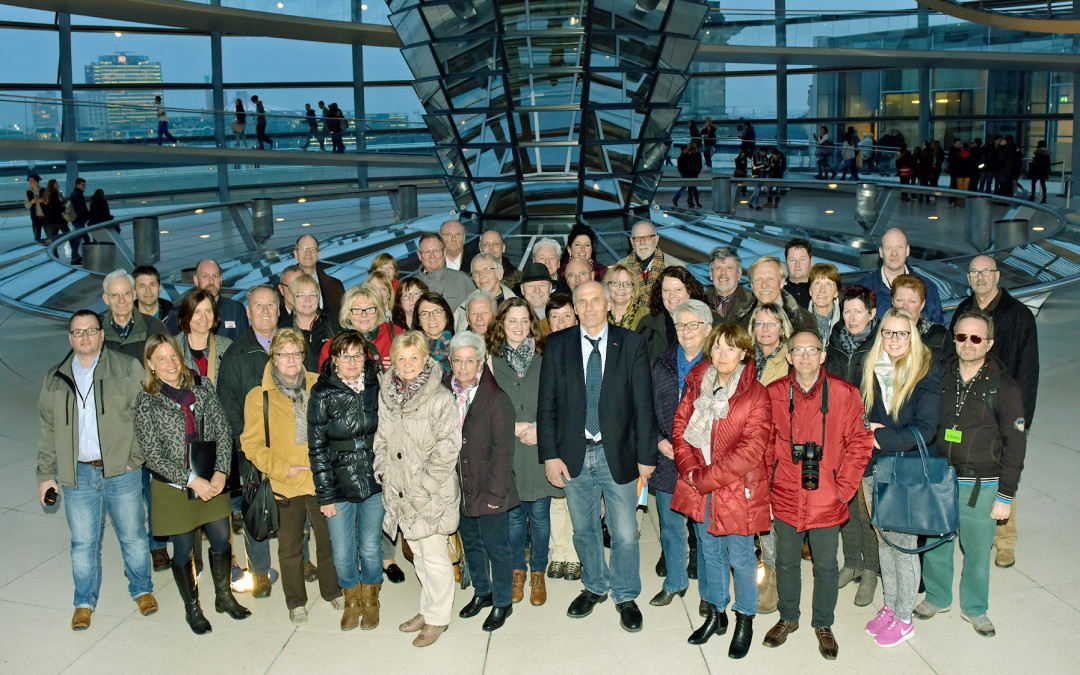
(643, 14)
(538, 52)
(469, 127)
(259, 59)
(669, 88)
(599, 195)
(421, 61)
(685, 17)
(495, 163)
(677, 53)
(455, 19)
(137, 57)
(462, 58)
(652, 156)
(504, 199)
(441, 128)
(606, 88)
(557, 125)
(467, 92)
(410, 27)
(620, 158)
(431, 95)
(496, 130)
(659, 122)
(555, 159)
(42, 68)
(551, 198)
(452, 161)
(638, 50)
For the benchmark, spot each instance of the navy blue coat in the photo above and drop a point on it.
(932, 310)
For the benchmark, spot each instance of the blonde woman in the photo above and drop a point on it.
(362, 310)
(625, 310)
(769, 332)
(901, 391)
(380, 280)
(417, 445)
(175, 409)
(276, 442)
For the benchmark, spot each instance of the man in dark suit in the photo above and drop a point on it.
(307, 256)
(597, 435)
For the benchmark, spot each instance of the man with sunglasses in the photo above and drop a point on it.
(1016, 346)
(982, 434)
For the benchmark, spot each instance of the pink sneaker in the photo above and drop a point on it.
(897, 632)
(880, 622)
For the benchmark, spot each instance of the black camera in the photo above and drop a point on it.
(809, 454)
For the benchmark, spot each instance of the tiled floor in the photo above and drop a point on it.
(1035, 605)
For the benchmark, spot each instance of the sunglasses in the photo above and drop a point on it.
(964, 337)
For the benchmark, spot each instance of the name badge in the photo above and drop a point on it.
(953, 435)
(230, 324)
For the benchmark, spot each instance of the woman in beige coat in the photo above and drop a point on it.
(416, 454)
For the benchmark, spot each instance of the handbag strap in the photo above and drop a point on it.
(266, 417)
(919, 441)
(926, 547)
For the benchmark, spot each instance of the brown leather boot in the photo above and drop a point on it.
(538, 596)
(369, 602)
(351, 617)
(519, 585)
(768, 598)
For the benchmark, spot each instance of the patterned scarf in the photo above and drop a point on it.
(297, 393)
(185, 398)
(401, 391)
(521, 357)
(646, 274)
(885, 372)
(462, 391)
(440, 350)
(708, 408)
(356, 385)
(849, 343)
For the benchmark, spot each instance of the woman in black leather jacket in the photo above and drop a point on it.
(343, 413)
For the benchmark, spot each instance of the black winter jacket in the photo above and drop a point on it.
(666, 398)
(1016, 343)
(921, 411)
(848, 367)
(341, 434)
(992, 441)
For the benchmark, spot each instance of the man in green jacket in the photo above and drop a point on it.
(88, 440)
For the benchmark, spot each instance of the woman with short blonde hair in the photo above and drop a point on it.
(362, 310)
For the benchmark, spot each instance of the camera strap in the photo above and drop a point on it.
(824, 409)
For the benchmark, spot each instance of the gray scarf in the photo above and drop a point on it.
(520, 358)
(711, 405)
(297, 393)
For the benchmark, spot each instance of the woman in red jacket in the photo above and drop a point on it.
(721, 430)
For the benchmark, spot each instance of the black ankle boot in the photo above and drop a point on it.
(743, 635)
(224, 602)
(691, 563)
(715, 624)
(189, 592)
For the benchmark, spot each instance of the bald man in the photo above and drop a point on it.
(894, 252)
(453, 234)
(330, 288)
(646, 260)
(491, 242)
(234, 322)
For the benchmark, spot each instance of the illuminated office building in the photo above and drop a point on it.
(128, 109)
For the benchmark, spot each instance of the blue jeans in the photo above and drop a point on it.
(159, 542)
(85, 507)
(673, 537)
(531, 517)
(258, 552)
(487, 550)
(623, 577)
(356, 534)
(163, 132)
(729, 554)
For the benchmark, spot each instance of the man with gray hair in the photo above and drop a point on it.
(284, 279)
(727, 298)
(767, 280)
(547, 252)
(647, 260)
(451, 284)
(487, 274)
(477, 312)
(126, 330)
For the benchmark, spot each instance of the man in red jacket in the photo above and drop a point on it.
(820, 445)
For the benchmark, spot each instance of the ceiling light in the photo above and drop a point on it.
(204, 236)
(1038, 228)
(931, 217)
(198, 210)
(830, 211)
(164, 231)
(832, 186)
(279, 219)
(301, 200)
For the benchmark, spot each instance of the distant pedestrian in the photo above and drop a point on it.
(313, 126)
(99, 208)
(82, 215)
(239, 125)
(53, 205)
(324, 114)
(1039, 169)
(708, 141)
(162, 122)
(336, 124)
(260, 125)
(689, 167)
(748, 137)
(36, 205)
(824, 153)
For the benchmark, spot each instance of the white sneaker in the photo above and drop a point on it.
(298, 615)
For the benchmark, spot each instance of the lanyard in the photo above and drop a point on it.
(83, 398)
(962, 392)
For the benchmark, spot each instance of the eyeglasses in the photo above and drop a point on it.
(483, 270)
(433, 313)
(351, 358)
(642, 240)
(964, 337)
(898, 334)
(766, 324)
(689, 325)
(806, 351)
(305, 296)
(117, 296)
(92, 332)
(464, 362)
(620, 284)
(362, 311)
(308, 249)
(453, 235)
(412, 295)
(289, 356)
(978, 274)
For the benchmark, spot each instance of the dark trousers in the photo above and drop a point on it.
(823, 544)
(218, 532)
(290, 551)
(37, 224)
(858, 537)
(261, 137)
(487, 550)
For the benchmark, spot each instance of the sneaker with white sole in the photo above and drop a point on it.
(298, 615)
(880, 622)
(897, 632)
(926, 609)
(981, 624)
(337, 603)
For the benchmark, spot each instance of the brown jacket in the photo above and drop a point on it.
(283, 451)
(416, 455)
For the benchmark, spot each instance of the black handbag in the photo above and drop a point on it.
(259, 502)
(916, 494)
(201, 456)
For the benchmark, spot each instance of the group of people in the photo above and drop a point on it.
(526, 412)
(51, 214)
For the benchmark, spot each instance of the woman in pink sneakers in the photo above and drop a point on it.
(901, 389)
